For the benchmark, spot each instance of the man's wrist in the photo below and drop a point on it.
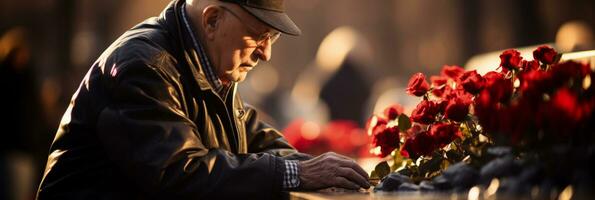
(291, 177)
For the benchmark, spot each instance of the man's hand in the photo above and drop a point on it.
(331, 170)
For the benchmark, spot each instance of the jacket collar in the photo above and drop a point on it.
(171, 17)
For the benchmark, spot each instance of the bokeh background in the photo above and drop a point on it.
(353, 59)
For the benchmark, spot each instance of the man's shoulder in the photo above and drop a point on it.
(148, 44)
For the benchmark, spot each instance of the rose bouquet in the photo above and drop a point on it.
(471, 129)
(540, 102)
(440, 130)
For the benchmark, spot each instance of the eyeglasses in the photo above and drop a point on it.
(271, 36)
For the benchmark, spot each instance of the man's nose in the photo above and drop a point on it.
(263, 52)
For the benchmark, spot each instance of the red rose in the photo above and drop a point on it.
(459, 92)
(425, 112)
(491, 77)
(418, 85)
(438, 81)
(442, 106)
(485, 108)
(438, 84)
(518, 118)
(545, 54)
(530, 65)
(500, 88)
(534, 83)
(566, 103)
(510, 59)
(562, 114)
(444, 133)
(453, 72)
(472, 82)
(441, 91)
(420, 144)
(457, 109)
(387, 138)
(563, 72)
(393, 111)
(373, 123)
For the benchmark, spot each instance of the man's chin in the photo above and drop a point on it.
(238, 78)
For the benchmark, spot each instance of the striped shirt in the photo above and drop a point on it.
(204, 59)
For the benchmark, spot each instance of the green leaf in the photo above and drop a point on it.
(373, 175)
(381, 170)
(399, 161)
(404, 122)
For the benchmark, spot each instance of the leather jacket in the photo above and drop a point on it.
(146, 124)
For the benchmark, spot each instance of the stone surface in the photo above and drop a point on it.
(500, 151)
(426, 186)
(392, 182)
(441, 183)
(461, 176)
(411, 187)
(499, 167)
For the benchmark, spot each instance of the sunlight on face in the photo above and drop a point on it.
(241, 45)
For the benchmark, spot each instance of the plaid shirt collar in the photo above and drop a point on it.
(203, 57)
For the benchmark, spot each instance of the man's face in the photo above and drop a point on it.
(241, 41)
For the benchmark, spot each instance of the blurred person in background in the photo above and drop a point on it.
(158, 115)
(24, 142)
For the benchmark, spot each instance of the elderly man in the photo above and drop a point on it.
(158, 115)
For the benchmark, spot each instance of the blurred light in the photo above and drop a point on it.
(473, 193)
(295, 107)
(483, 138)
(517, 83)
(566, 194)
(369, 163)
(578, 55)
(50, 92)
(15, 40)
(310, 130)
(357, 138)
(492, 188)
(587, 82)
(534, 192)
(373, 122)
(334, 48)
(395, 95)
(573, 36)
(306, 91)
(9, 40)
(581, 56)
(434, 48)
(376, 151)
(264, 80)
(82, 47)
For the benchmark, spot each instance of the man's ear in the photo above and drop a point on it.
(211, 20)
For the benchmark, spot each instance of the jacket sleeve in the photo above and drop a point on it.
(264, 138)
(145, 132)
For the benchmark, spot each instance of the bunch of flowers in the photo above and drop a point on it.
(537, 102)
(525, 103)
(440, 131)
